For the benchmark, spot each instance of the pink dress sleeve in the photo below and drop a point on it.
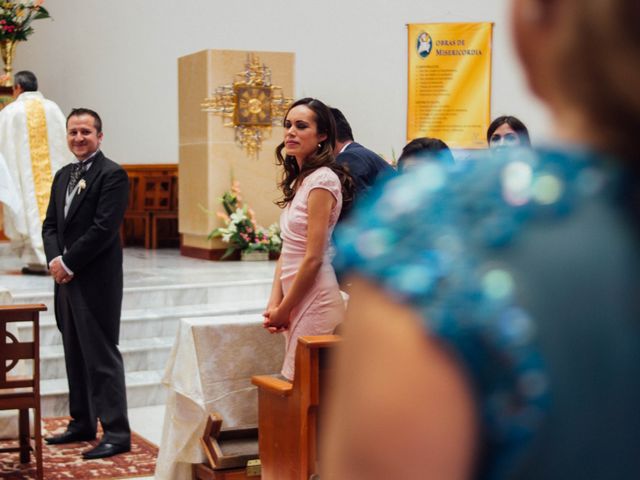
(326, 179)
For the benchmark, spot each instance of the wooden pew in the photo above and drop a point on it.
(288, 413)
(153, 198)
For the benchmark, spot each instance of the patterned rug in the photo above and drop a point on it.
(64, 462)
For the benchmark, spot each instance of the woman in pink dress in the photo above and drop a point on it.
(305, 298)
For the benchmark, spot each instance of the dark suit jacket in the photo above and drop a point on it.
(88, 238)
(365, 167)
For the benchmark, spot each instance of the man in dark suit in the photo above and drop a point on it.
(364, 165)
(82, 245)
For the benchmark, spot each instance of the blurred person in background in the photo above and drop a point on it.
(423, 149)
(507, 131)
(493, 329)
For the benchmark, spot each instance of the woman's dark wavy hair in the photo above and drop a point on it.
(515, 124)
(292, 176)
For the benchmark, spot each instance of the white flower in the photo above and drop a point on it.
(274, 228)
(81, 185)
(232, 228)
(226, 237)
(238, 216)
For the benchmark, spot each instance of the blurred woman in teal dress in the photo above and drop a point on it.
(493, 329)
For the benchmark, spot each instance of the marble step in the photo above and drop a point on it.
(144, 388)
(155, 322)
(137, 355)
(172, 295)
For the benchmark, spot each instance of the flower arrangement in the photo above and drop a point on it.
(241, 231)
(16, 18)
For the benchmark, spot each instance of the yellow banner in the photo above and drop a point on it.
(449, 93)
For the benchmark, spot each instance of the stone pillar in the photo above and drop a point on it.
(208, 155)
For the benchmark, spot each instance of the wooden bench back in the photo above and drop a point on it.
(289, 413)
(158, 192)
(12, 350)
(313, 366)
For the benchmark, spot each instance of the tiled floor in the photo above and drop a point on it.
(142, 268)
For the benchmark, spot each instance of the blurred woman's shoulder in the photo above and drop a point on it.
(507, 256)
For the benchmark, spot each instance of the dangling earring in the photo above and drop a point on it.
(319, 146)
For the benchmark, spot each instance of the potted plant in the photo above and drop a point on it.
(242, 232)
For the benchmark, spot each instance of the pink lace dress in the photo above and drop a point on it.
(322, 307)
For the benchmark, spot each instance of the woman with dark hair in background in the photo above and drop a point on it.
(305, 297)
(423, 149)
(493, 327)
(507, 131)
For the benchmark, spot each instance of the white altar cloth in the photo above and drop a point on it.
(210, 370)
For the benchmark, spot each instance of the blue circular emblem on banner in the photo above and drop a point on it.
(424, 44)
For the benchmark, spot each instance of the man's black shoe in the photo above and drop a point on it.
(105, 450)
(69, 437)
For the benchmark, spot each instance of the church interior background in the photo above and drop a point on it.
(147, 67)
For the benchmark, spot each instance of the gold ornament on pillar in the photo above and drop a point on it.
(251, 105)
(15, 26)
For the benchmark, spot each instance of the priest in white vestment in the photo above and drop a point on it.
(33, 144)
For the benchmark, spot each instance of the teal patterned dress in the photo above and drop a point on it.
(527, 264)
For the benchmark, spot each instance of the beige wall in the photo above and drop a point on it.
(120, 56)
(209, 156)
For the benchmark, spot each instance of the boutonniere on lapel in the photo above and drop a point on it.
(81, 185)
